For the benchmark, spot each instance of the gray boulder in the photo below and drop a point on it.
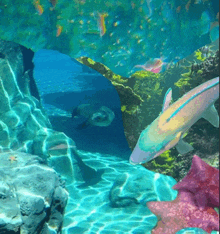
(32, 195)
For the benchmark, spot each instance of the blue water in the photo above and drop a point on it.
(133, 31)
(63, 84)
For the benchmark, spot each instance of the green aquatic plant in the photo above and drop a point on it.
(119, 79)
(182, 82)
(144, 74)
(199, 72)
(162, 164)
(199, 56)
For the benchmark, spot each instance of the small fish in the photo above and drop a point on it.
(149, 7)
(101, 23)
(39, 7)
(188, 5)
(59, 30)
(178, 9)
(168, 129)
(115, 24)
(153, 65)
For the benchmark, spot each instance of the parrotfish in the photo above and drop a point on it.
(168, 129)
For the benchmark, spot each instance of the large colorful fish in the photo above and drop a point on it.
(167, 130)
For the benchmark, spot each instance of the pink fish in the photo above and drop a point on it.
(153, 65)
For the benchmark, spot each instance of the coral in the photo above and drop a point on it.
(130, 100)
(28, 189)
(23, 123)
(198, 73)
(128, 97)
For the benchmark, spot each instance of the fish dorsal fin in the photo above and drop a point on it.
(167, 99)
(211, 115)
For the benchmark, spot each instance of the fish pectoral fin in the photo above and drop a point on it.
(167, 99)
(183, 147)
(174, 141)
(211, 115)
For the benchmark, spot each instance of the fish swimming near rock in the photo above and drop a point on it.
(94, 115)
(168, 129)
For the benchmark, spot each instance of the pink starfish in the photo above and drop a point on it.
(182, 213)
(203, 181)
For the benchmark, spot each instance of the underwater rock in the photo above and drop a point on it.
(32, 195)
(138, 188)
(127, 96)
(136, 95)
(203, 136)
(24, 126)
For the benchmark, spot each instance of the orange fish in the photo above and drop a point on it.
(101, 23)
(59, 30)
(39, 7)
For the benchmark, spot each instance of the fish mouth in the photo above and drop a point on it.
(133, 163)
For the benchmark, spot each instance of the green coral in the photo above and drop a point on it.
(144, 81)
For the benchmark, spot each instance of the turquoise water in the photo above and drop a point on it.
(105, 150)
(120, 34)
(89, 210)
(126, 36)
